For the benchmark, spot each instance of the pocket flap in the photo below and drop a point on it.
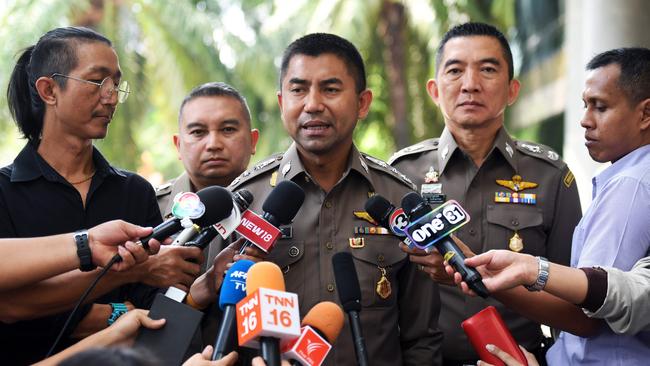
(514, 217)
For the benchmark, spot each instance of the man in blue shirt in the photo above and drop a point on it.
(614, 232)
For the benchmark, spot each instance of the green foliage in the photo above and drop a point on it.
(168, 47)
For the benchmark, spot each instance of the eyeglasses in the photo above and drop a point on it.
(106, 87)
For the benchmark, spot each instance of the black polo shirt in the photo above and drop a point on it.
(36, 201)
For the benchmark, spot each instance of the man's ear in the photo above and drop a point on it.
(47, 89)
(432, 90)
(255, 135)
(177, 143)
(645, 114)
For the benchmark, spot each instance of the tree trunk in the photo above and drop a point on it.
(392, 28)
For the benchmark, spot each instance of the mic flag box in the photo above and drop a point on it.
(310, 349)
(258, 231)
(267, 313)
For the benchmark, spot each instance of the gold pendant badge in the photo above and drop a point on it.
(516, 243)
(383, 288)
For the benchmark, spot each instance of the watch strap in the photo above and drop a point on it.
(542, 275)
(119, 309)
(83, 251)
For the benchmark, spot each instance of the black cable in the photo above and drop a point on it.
(116, 258)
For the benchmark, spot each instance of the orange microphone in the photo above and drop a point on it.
(321, 327)
(268, 316)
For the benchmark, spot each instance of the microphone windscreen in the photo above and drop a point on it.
(347, 281)
(379, 209)
(233, 288)
(264, 275)
(284, 201)
(327, 317)
(218, 205)
(410, 201)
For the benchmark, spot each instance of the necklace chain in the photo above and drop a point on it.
(83, 180)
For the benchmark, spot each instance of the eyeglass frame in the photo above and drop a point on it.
(123, 87)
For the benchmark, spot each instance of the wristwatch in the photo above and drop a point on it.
(542, 275)
(83, 251)
(119, 309)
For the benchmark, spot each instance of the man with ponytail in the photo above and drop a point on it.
(62, 94)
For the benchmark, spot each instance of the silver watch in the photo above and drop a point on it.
(542, 275)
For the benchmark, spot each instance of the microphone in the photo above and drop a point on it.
(347, 282)
(268, 316)
(280, 207)
(431, 228)
(241, 199)
(217, 204)
(321, 327)
(233, 290)
(388, 216)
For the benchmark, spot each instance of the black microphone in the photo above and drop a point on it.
(347, 283)
(242, 199)
(388, 216)
(429, 227)
(218, 205)
(280, 207)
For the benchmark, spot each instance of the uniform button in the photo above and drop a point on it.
(380, 258)
(306, 179)
(330, 287)
(472, 232)
(329, 246)
(294, 251)
(328, 204)
(515, 222)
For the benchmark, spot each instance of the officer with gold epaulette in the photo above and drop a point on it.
(520, 195)
(322, 96)
(215, 141)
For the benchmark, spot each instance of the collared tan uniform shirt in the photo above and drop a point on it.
(400, 329)
(545, 228)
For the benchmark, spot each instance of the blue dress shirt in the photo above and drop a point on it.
(614, 232)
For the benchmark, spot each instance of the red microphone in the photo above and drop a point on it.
(487, 327)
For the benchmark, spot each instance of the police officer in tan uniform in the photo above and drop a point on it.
(520, 195)
(215, 141)
(323, 94)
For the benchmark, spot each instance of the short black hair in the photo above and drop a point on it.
(216, 89)
(55, 52)
(477, 29)
(634, 63)
(316, 44)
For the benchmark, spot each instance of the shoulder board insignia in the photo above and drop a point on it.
(383, 166)
(259, 168)
(164, 189)
(541, 152)
(426, 145)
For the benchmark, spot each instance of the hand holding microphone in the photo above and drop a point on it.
(429, 228)
(501, 270)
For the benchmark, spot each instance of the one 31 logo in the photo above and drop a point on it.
(437, 224)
